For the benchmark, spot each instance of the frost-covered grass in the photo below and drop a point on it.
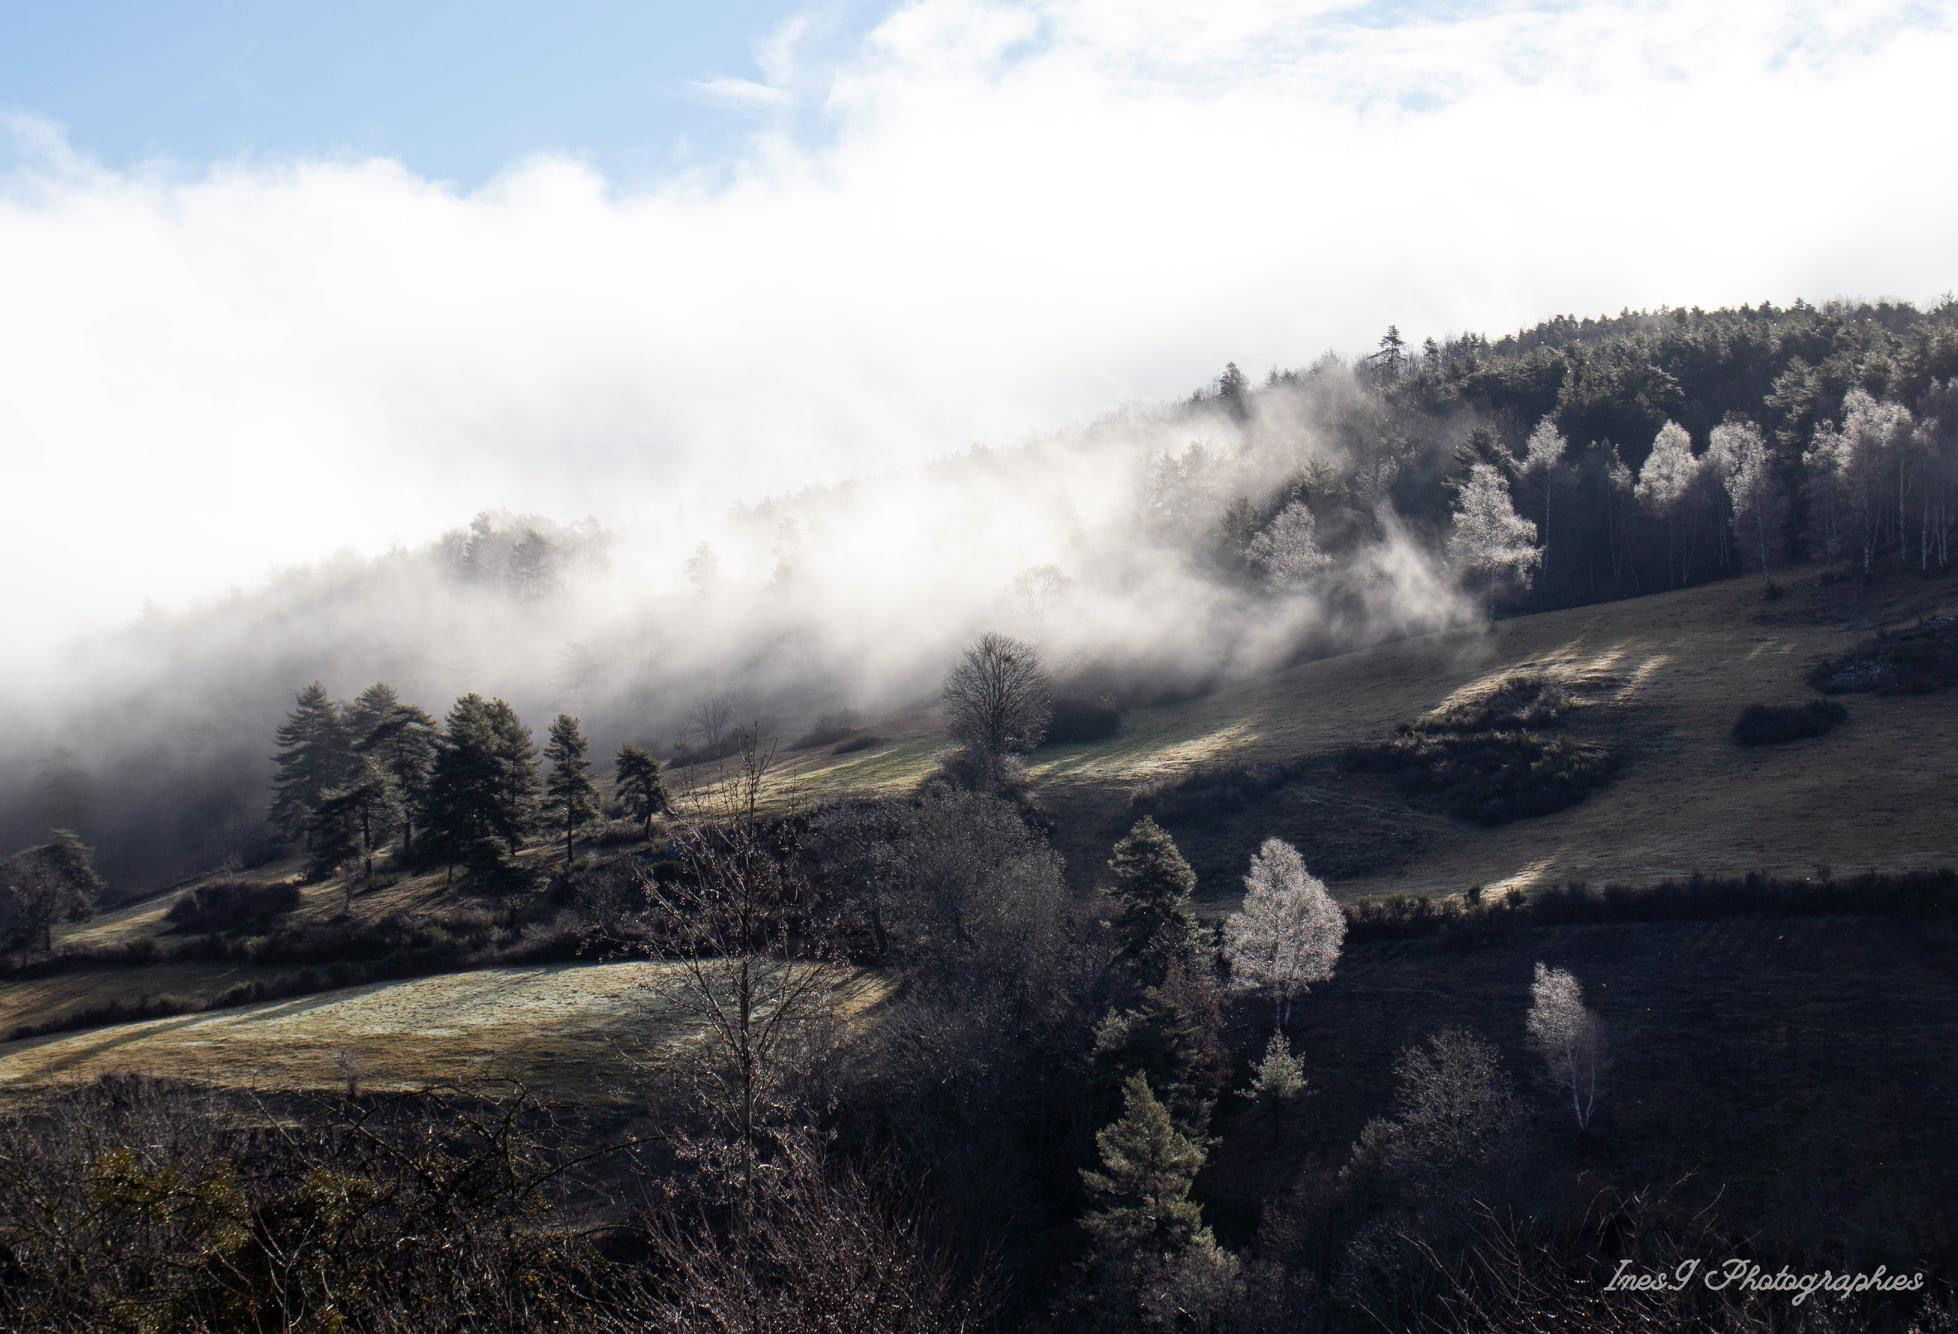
(579, 1029)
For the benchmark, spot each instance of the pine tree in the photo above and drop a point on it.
(332, 837)
(1278, 1080)
(482, 784)
(402, 740)
(1163, 1041)
(1149, 890)
(516, 758)
(1141, 1203)
(312, 758)
(573, 797)
(367, 712)
(636, 775)
(352, 821)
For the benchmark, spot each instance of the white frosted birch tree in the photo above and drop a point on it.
(1289, 932)
(1543, 454)
(1488, 541)
(1287, 549)
(1665, 481)
(1569, 1038)
(1740, 457)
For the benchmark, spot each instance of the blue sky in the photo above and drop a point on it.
(453, 91)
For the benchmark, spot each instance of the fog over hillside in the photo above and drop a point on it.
(1091, 544)
(245, 397)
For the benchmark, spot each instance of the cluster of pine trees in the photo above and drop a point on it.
(352, 778)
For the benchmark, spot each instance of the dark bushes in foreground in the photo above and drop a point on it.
(232, 905)
(1774, 724)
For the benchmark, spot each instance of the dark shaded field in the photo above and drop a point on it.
(1799, 1074)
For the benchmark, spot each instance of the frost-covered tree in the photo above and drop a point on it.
(1877, 466)
(1739, 454)
(1618, 501)
(1937, 426)
(1289, 932)
(1569, 1038)
(1543, 454)
(1488, 540)
(1287, 550)
(1666, 482)
(1822, 469)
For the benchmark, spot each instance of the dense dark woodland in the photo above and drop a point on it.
(1083, 1112)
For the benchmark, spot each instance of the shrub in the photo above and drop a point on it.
(232, 905)
(828, 728)
(857, 743)
(1212, 793)
(1520, 702)
(1774, 724)
(1079, 718)
(1907, 662)
(1490, 777)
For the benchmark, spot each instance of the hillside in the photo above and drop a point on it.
(1662, 678)
(576, 1029)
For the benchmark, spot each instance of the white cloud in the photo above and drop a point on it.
(1016, 215)
(744, 94)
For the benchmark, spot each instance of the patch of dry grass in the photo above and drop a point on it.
(575, 1028)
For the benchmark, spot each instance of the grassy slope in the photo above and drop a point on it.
(1665, 677)
(575, 1029)
(1666, 674)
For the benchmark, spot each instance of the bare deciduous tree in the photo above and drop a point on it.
(997, 702)
(754, 970)
(1569, 1038)
(712, 722)
(1289, 932)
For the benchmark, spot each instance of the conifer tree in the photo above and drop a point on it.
(402, 741)
(367, 712)
(482, 784)
(1140, 1197)
(1163, 1041)
(312, 758)
(636, 775)
(573, 796)
(332, 837)
(352, 821)
(1149, 893)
